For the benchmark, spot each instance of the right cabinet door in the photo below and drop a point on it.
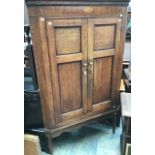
(103, 51)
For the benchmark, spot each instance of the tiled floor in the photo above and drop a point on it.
(94, 139)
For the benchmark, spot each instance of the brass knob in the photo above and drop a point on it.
(84, 64)
(84, 72)
(90, 63)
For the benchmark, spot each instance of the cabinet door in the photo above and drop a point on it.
(103, 48)
(67, 43)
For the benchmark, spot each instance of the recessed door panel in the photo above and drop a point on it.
(104, 37)
(70, 83)
(68, 40)
(102, 79)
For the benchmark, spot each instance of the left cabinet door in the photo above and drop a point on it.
(67, 49)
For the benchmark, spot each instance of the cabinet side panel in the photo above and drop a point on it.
(120, 40)
(43, 70)
(121, 51)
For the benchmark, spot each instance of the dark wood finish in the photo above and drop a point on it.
(78, 54)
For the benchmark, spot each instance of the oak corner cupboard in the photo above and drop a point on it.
(78, 47)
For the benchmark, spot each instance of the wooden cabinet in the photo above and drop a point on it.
(78, 48)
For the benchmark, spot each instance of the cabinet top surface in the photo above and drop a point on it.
(76, 2)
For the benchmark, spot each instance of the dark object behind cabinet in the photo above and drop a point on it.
(32, 108)
(32, 111)
(78, 55)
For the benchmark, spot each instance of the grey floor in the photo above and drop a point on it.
(93, 139)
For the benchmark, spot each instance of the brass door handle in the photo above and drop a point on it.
(90, 62)
(84, 68)
(90, 65)
(84, 64)
(84, 72)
